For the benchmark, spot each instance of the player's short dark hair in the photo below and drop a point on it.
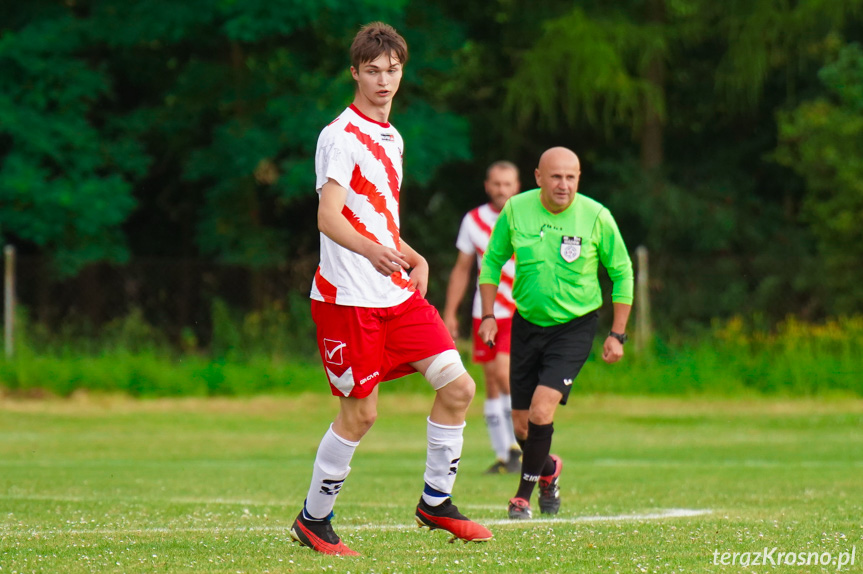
(501, 164)
(375, 39)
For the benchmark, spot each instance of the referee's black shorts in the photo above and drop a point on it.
(548, 356)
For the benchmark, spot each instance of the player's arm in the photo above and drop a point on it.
(487, 327)
(419, 268)
(333, 224)
(459, 278)
(499, 251)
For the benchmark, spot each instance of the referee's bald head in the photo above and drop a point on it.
(557, 177)
(557, 155)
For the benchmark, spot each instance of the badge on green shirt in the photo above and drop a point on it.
(570, 248)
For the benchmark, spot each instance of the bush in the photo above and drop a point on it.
(259, 353)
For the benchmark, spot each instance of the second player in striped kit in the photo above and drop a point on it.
(501, 183)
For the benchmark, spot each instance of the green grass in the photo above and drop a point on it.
(110, 484)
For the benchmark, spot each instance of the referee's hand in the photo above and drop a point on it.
(612, 350)
(488, 331)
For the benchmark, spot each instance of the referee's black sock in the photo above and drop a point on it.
(534, 457)
(548, 467)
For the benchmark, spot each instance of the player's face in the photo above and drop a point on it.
(557, 176)
(378, 80)
(502, 183)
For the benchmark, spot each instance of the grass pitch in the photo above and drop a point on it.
(649, 485)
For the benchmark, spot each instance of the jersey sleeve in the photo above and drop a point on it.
(499, 248)
(463, 242)
(615, 258)
(333, 159)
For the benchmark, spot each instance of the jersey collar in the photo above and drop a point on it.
(357, 111)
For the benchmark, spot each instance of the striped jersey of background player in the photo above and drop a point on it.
(501, 183)
(559, 237)
(368, 302)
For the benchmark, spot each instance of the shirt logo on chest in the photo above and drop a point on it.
(570, 248)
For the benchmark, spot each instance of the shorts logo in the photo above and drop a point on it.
(370, 377)
(333, 351)
(570, 248)
(567, 382)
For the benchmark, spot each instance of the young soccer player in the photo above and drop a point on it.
(368, 303)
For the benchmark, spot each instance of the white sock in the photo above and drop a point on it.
(497, 430)
(444, 453)
(506, 401)
(332, 465)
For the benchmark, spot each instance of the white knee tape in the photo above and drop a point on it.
(446, 368)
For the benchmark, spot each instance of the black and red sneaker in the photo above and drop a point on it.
(447, 517)
(519, 509)
(320, 536)
(549, 490)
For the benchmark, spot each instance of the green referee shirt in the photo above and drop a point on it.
(556, 257)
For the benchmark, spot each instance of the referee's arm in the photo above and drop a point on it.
(615, 259)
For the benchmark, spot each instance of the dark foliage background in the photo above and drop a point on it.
(157, 155)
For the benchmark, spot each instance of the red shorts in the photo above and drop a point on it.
(482, 353)
(362, 346)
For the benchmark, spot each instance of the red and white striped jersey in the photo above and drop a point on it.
(364, 157)
(473, 239)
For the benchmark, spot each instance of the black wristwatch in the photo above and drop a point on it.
(619, 336)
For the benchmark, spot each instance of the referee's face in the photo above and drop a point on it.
(557, 176)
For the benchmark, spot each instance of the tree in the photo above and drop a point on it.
(688, 87)
(234, 116)
(605, 66)
(603, 69)
(66, 169)
(820, 140)
(204, 114)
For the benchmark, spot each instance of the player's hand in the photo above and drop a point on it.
(420, 277)
(386, 260)
(612, 350)
(488, 332)
(451, 323)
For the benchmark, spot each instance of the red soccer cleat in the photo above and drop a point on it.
(447, 517)
(320, 536)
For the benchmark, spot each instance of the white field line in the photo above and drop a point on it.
(603, 462)
(658, 515)
(542, 522)
(203, 501)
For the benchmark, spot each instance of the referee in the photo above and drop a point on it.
(558, 237)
